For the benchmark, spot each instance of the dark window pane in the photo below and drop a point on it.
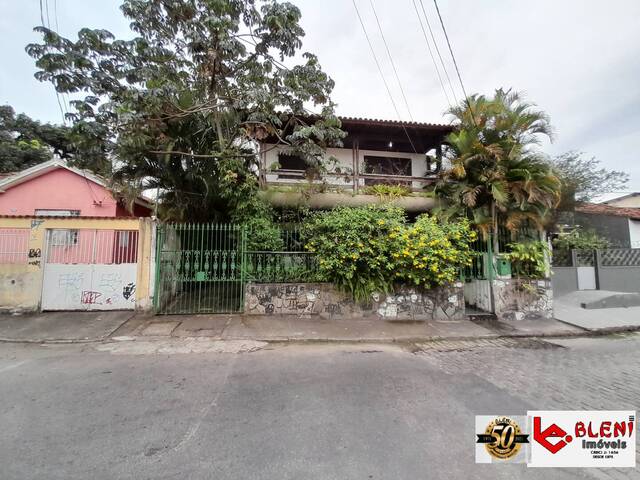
(387, 166)
(291, 162)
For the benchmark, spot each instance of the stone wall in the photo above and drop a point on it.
(305, 299)
(515, 298)
(521, 298)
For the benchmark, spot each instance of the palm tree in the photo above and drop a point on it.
(495, 171)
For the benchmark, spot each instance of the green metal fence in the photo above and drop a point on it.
(199, 268)
(203, 268)
(290, 263)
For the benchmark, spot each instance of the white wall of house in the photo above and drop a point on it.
(631, 201)
(344, 158)
(634, 233)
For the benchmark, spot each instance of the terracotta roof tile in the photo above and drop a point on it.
(394, 122)
(602, 209)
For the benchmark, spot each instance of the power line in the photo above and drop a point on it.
(455, 63)
(424, 33)
(435, 43)
(386, 85)
(44, 8)
(393, 65)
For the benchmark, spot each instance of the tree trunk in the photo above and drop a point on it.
(494, 221)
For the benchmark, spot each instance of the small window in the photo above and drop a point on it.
(387, 166)
(63, 238)
(291, 162)
(57, 213)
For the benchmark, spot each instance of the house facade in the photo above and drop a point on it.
(620, 225)
(631, 200)
(374, 152)
(55, 189)
(66, 243)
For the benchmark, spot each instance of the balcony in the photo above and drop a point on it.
(374, 152)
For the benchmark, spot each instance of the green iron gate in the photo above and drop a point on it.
(200, 268)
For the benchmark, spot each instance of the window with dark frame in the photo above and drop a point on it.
(396, 166)
(291, 162)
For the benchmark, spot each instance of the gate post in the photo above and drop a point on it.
(597, 262)
(243, 265)
(158, 253)
(491, 267)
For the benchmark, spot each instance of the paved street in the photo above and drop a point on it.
(297, 411)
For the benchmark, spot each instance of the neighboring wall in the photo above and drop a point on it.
(620, 279)
(564, 280)
(21, 280)
(634, 233)
(615, 229)
(630, 201)
(60, 189)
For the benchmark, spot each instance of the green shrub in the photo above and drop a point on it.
(262, 232)
(529, 259)
(370, 249)
(579, 239)
(389, 191)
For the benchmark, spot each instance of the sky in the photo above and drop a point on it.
(578, 60)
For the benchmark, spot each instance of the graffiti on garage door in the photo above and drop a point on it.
(90, 270)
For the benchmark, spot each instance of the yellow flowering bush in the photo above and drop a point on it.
(428, 253)
(371, 249)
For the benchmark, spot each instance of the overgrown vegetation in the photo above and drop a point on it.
(496, 170)
(578, 239)
(529, 259)
(183, 104)
(583, 179)
(25, 142)
(387, 191)
(370, 249)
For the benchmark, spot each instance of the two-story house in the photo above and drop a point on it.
(373, 152)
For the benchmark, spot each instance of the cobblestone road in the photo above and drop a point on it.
(601, 373)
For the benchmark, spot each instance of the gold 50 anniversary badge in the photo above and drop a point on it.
(502, 438)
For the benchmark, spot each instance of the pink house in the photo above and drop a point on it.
(55, 189)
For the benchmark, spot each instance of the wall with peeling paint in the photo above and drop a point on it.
(21, 282)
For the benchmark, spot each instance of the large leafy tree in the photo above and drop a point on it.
(181, 106)
(25, 142)
(496, 172)
(584, 179)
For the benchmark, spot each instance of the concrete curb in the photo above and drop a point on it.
(586, 333)
(53, 341)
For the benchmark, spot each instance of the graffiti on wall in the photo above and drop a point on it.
(299, 299)
(445, 303)
(34, 255)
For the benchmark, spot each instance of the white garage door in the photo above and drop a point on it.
(90, 270)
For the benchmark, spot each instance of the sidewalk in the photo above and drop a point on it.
(567, 309)
(278, 328)
(79, 327)
(61, 327)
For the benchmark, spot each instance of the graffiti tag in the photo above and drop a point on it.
(90, 297)
(128, 290)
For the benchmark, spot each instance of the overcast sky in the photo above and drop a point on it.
(579, 60)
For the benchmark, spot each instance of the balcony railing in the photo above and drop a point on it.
(347, 181)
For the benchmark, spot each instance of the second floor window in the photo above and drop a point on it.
(291, 162)
(386, 166)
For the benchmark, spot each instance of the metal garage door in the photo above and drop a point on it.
(90, 269)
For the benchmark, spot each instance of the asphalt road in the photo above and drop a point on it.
(294, 412)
